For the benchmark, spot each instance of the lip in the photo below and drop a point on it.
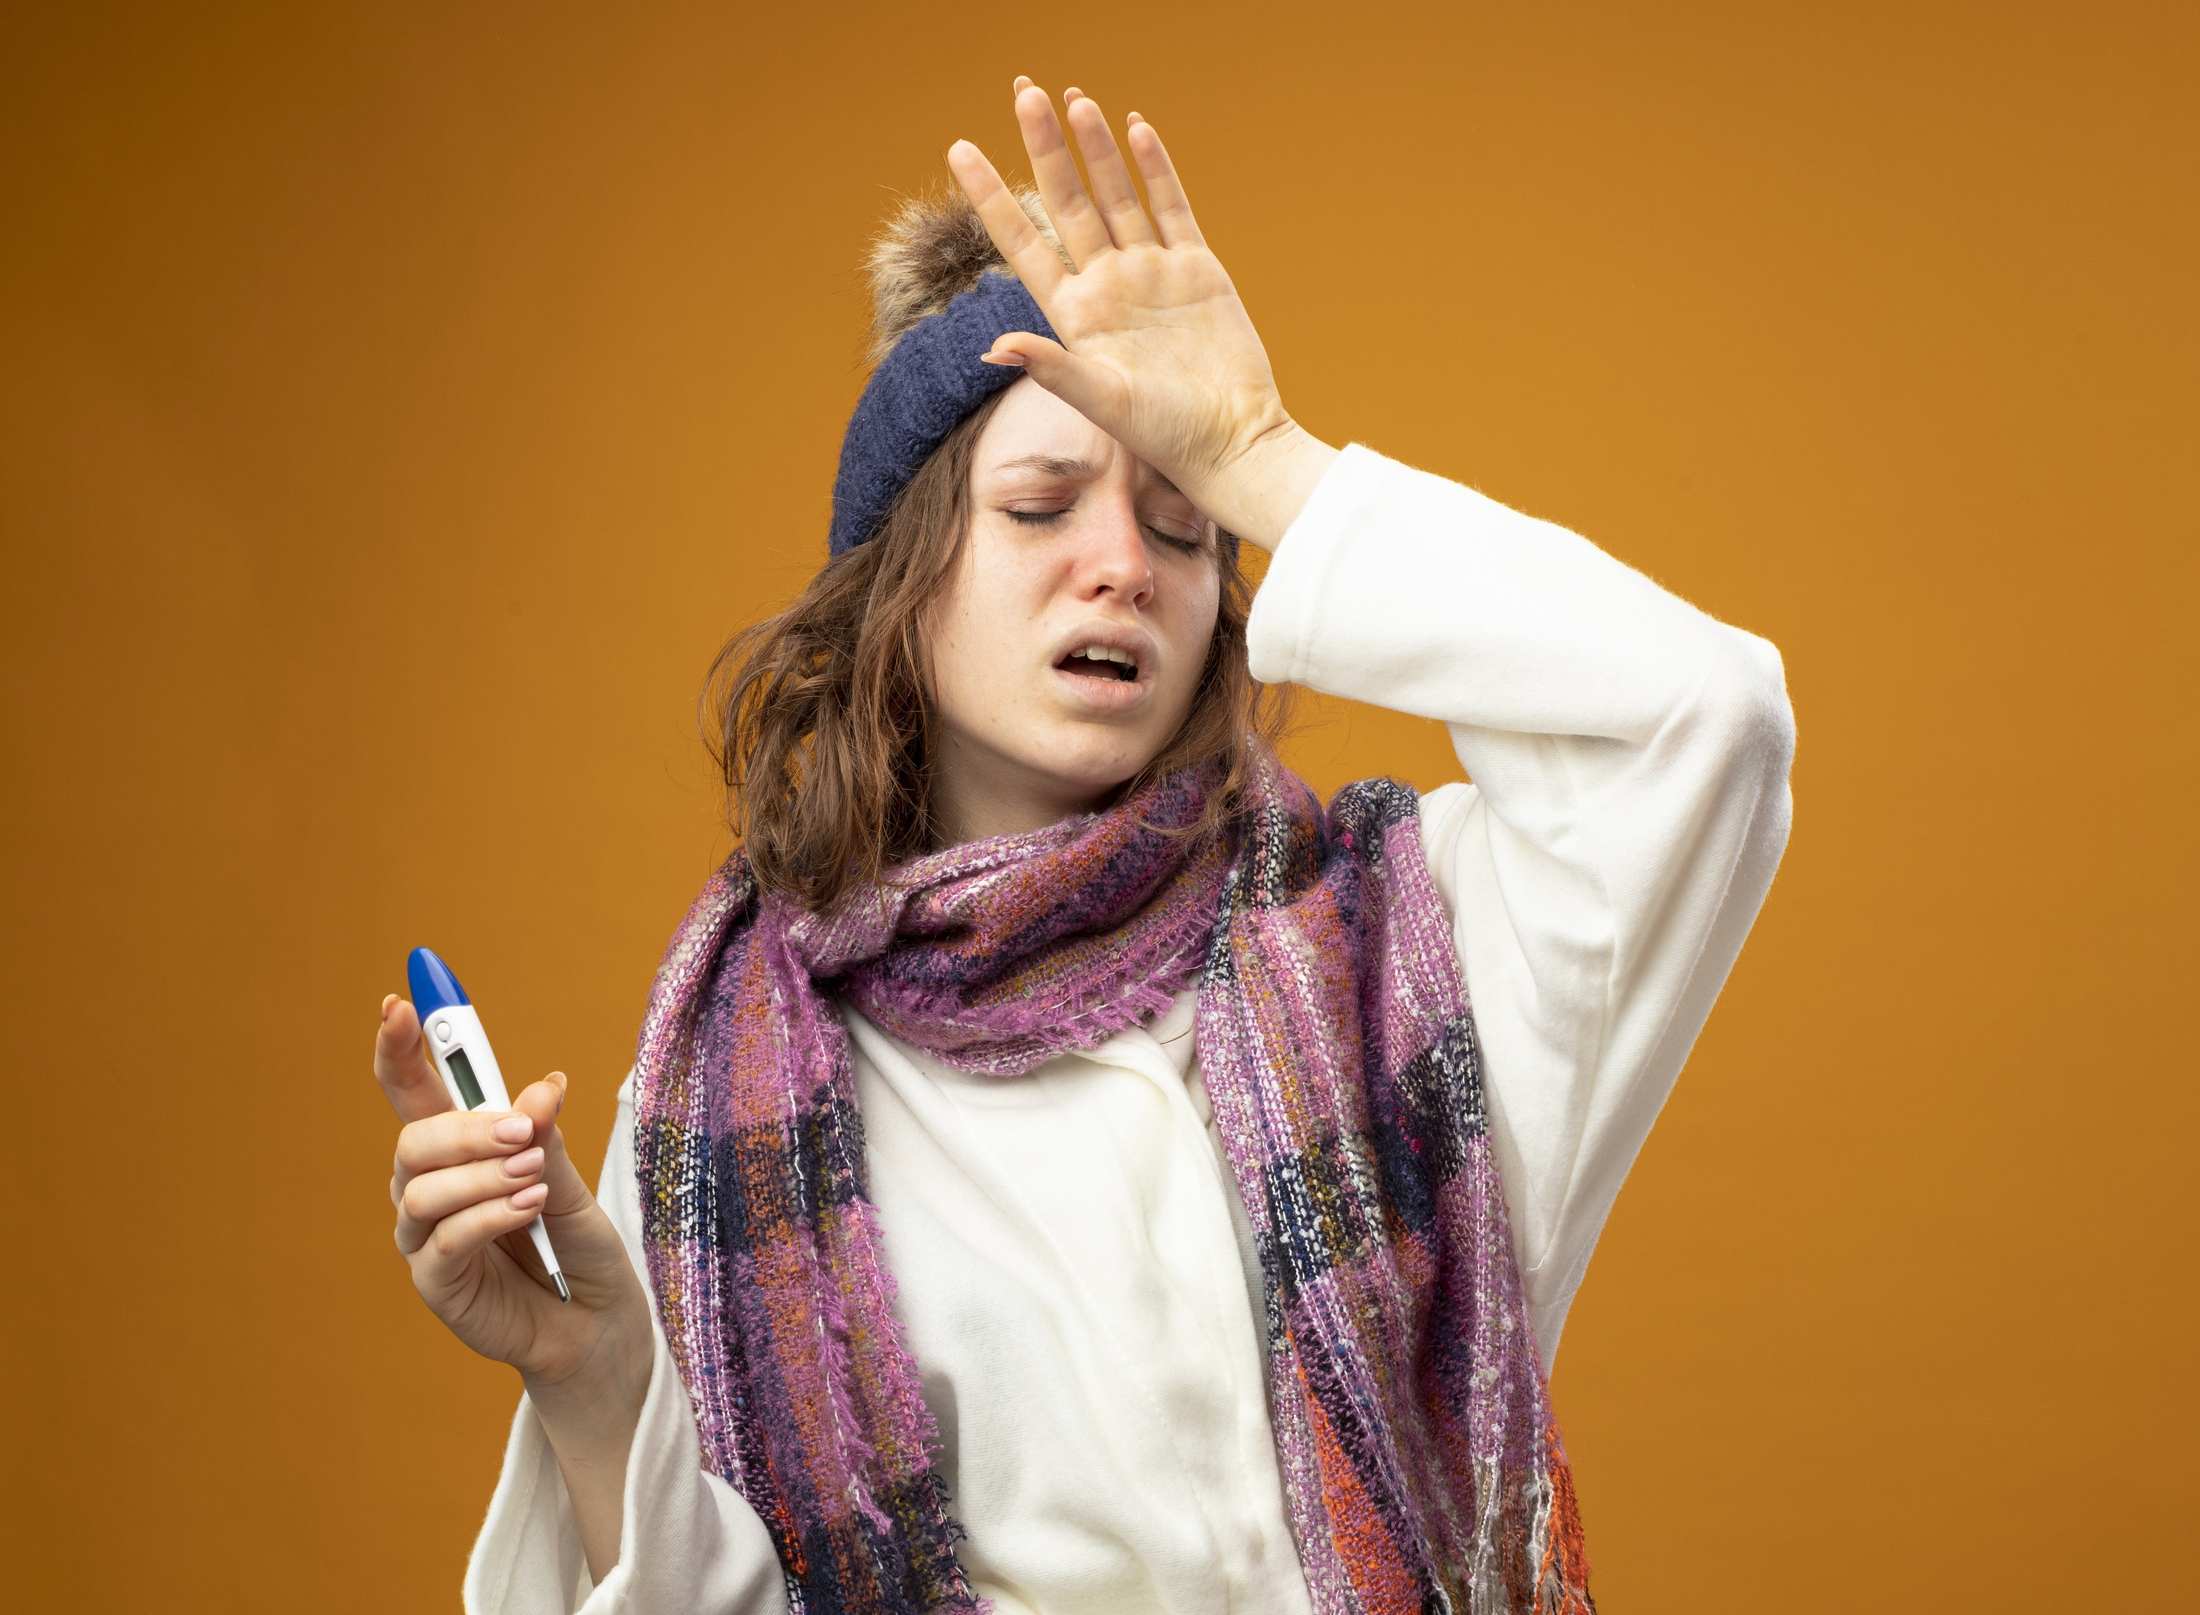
(1105, 695)
(1108, 695)
(1111, 636)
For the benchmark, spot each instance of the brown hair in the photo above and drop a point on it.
(821, 718)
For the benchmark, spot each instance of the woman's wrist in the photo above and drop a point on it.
(1262, 493)
(602, 1396)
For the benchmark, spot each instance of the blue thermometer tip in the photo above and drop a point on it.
(433, 985)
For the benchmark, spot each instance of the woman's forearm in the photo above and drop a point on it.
(590, 1424)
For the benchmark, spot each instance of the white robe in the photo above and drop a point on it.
(1075, 1271)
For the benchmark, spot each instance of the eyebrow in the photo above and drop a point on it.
(1076, 470)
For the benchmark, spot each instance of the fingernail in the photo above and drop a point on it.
(524, 1162)
(515, 1129)
(389, 1003)
(533, 1195)
(1008, 359)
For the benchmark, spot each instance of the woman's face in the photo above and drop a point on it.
(1094, 548)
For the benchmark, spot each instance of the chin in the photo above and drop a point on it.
(1095, 769)
(1097, 780)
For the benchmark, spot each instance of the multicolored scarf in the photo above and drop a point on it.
(1422, 1467)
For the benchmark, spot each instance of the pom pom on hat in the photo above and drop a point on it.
(941, 296)
(933, 247)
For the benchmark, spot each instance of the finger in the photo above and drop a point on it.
(1111, 179)
(409, 1081)
(541, 1102)
(1172, 212)
(1079, 224)
(1096, 391)
(445, 1262)
(1018, 241)
(433, 1196)
(454, 1137)
(568, 1190)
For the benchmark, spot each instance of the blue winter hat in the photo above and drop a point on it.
(929, 381)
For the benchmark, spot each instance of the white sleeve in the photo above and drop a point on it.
(688, 1542)
(1629, 803)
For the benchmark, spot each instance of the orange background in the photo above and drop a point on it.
(398, 414)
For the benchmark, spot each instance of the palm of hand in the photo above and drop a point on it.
(524, 1325)
(1157, 348)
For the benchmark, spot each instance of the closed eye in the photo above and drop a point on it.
(1040, 518)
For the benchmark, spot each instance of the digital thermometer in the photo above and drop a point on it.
(461, 1052)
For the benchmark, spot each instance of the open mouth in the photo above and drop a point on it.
(1088, 665)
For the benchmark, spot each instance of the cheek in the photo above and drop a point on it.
(959, 665)
(1197, 636)
(978, 645)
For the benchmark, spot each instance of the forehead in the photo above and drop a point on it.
(1033, 436)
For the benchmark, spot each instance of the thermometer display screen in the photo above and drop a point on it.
(462, 1073)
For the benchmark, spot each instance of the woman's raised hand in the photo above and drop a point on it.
(1156, 348)
(464, 1195)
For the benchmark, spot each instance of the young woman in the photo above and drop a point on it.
(1063, 1171)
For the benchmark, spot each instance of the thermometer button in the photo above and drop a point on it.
(443, 1031)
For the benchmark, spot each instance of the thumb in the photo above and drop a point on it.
(540, 1102)
(1092, 389)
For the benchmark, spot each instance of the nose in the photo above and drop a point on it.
(1115, 556)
